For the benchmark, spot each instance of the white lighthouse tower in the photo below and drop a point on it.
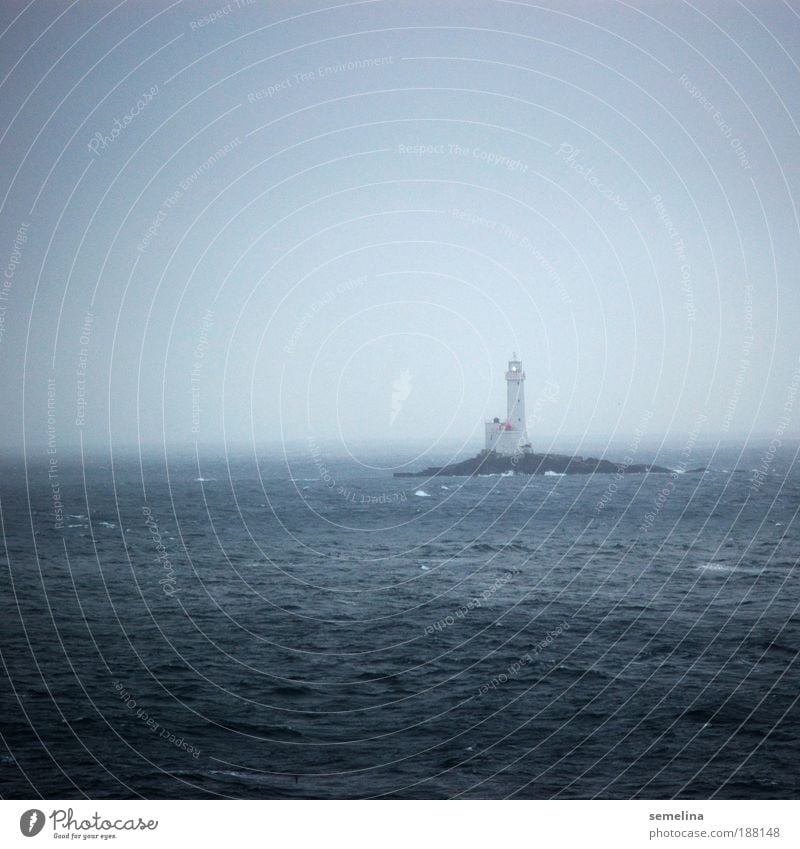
(510, 437)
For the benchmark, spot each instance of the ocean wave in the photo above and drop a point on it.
(498, 548)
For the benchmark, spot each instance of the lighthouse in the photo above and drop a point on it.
(510, 437)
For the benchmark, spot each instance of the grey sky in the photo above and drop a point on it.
(304, 204)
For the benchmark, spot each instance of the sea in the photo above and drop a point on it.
(275, 624)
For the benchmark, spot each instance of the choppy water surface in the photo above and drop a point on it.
(273, 627)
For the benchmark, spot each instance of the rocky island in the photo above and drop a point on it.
(492, 463)
(508, 449)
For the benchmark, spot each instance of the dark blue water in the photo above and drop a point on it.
(273, 627)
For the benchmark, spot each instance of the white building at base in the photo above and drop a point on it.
(510, 437)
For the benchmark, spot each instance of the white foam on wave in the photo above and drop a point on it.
(554, 474)
(713, 566)
(422, 494)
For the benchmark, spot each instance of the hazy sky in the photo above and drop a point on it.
(294, 220)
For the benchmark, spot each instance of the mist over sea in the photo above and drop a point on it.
(304, 625)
